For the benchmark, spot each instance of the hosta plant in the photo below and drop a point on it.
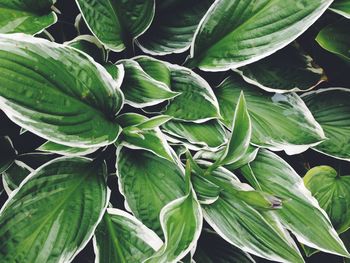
(174, 131)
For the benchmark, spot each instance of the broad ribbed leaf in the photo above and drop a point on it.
(331, 109)
(148, 183)
(26, 16)
(300, 212)
(57, 92)
(89, 45)
(14, 176)
(254, 231)
(341, 7)
(212, 248)
(241, 134)
(116, 23)
(54, 213)
(173, 26)
(135, 137)
(120, 237)
(332, 192)
(181, 221)
(335, 38)
(7, 153)
(197, 101)
(279, 121)
(274, 74)
(209, 134)
(52, 147)
(235, 33)
(142, 90)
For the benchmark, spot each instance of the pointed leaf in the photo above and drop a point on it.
(341, 7)
(279, 121)
(234, 33)
(52, 147)
(154, 122)
(273, 74)
(173, 26)
(335, 38)
(247, 228)
(240, 136)
(117, 23)
(148, 183)
(57, 92)
(140, 89)
(26, 16)
(332, 192)
(300, 212)
(331, 108)
(120, 237)
(14, 176)
(54, 212)
(157, 69)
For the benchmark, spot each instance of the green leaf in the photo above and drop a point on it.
(212, 248)
(300, 212)
(117, 23)
(253, 230)
(14, 176)
(273, 74)
(157, 69)
(240, 136)
(142, 90)
(54, 213)
(154, 122)
(197, 101)
(120, 237)
(173, 26)
(331, 109)
(341, 7)
(335, 38)
(58, 92)
(181, 232)
(148, 183)
(135, 137)
(332, 192)
(89, 45)
(52, 147)
(26, 16)
(248, 157)
(279, 121)
(7, 153)
(208, 134)
(234, 33)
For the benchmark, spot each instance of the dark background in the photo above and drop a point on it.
(336, 70)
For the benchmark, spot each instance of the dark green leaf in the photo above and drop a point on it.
(7, 153)
(14, 176)
(341, 7)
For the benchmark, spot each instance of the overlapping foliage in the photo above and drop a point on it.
(137, 148)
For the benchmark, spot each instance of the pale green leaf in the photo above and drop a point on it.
(279, 121)
(234, 33)
(148, 183)
(300, 212)
(331, 109)
(173, 26)
(120, 237)
(57, 92)
(154, 122)
(116, 23)
(335, 38)
(54, 213)
(273, 74)
(332, 192)
(26, 16)
(52, 147)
